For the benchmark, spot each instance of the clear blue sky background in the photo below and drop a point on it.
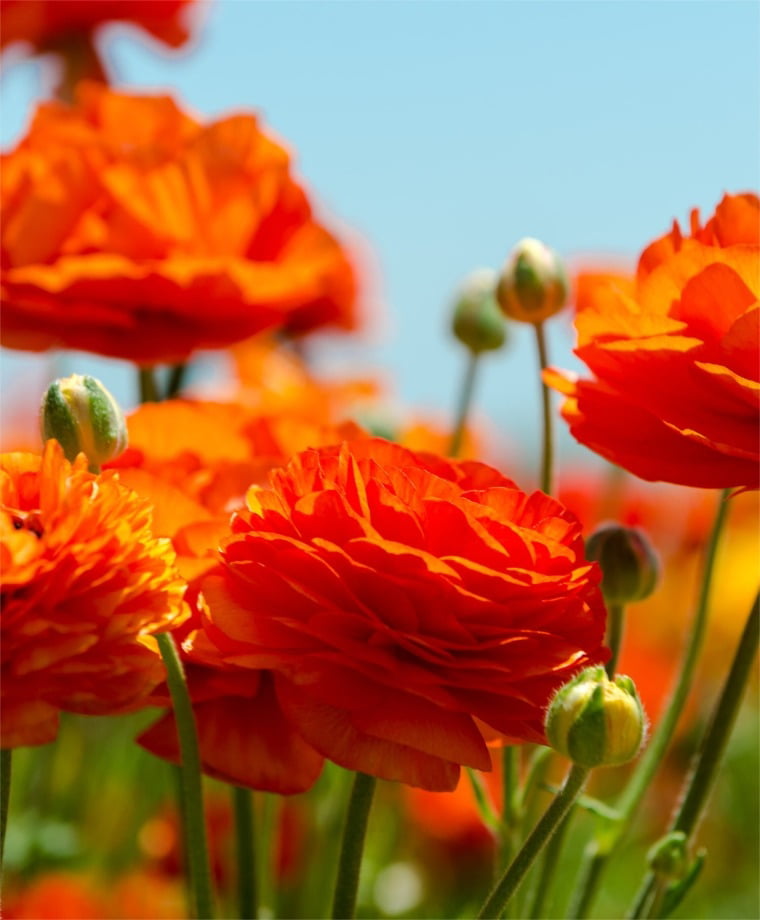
(442, 132)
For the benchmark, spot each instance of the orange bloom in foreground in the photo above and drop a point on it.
(46, 23)
(133, 231)
(84, 585)
(676, 362)
(410, 606)
(194, 462)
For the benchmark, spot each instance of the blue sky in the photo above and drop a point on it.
(442, 132)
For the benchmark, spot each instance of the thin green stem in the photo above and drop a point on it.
(147, 385)
(615, 624)
(176, 380)
(510, 808)
(701, 779)
(547, 452)
(465, 401)
(196, 850)
(549, 868)
(6, 756)
(542, 832)
(609, 835)
(242, 803)
(354, 832)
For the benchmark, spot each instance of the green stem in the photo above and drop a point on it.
(354, 832)
(6, 755)
(549, 868)
(147, 385)
(510, 808)
(615, 624)
(609, 835)
(547, 453)
(242, 803)
(196, 850)
(176, 380)
(699, 783)
(465, 401)
(542, 832)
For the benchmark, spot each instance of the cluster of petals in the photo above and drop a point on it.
(675, 356)
(85, 585)
(407, 608)
(45, 24)
(194, 460)
(132, 230)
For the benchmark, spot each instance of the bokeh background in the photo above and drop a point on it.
(435, 134)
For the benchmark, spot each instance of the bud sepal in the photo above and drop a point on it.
(81, 414)
(595, 721)
(629, 564)
(477, 321)
(533, 284)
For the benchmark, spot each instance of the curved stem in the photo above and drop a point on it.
(615, 624)
(538, 838)
(196, 850)
(242, 803)
(701, 779)
(465, 401)
(354, 832)
(610, 835)
(6, 756)
(147, 385)
(547, 452)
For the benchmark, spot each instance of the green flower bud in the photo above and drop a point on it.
(595, 721)
(478, 323)
(80, 413)
(630, 567)
(533, 285)
(669, 856)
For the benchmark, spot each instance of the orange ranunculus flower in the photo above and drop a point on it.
(676, 363)
(410, 606)
(194, 461)
(132, 230)
(45, 24)
(84, 585)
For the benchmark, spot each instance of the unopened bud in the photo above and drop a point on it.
(595, 721)
(478, 323)
(629, 565)
(533, 285)
(80, 413)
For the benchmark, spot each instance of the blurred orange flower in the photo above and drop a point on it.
(676, 360)
(410, 606)
(136, 895)
(133, 231)
(84, 585)
(46, 23)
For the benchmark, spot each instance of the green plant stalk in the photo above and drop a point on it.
(465, 401)
(245, 852)
(354, 832)
(196, 849)
(549, 868)
(547, 450)
(148, 388)
(6, 758)
(615, 628)
(701, 779)
(176, 380)
(542, 832)
(610, 834)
